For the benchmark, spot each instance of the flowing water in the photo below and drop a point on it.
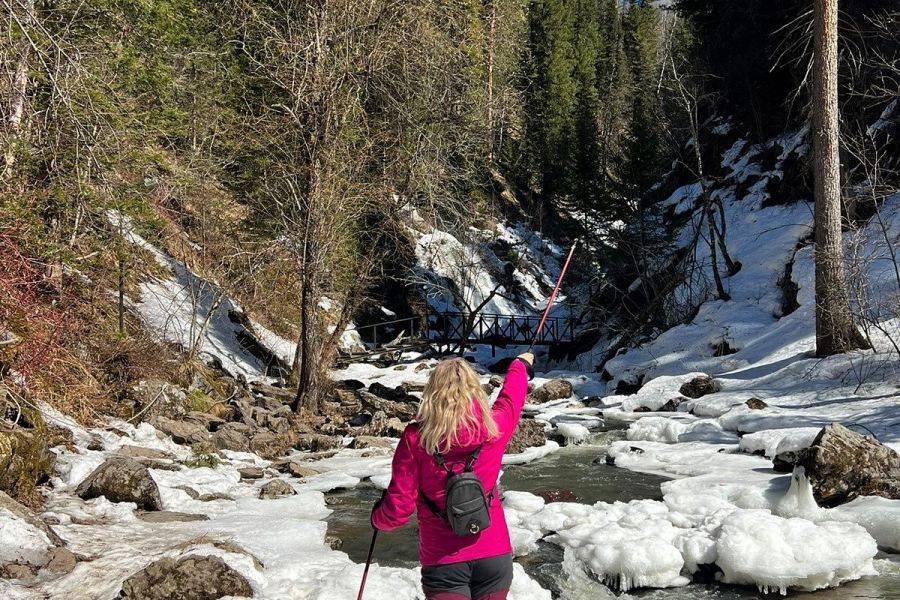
(572, 469)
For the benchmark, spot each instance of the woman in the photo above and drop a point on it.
(454, 421)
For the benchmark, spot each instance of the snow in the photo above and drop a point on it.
(20, 541)
(772, 442)
(573, 433)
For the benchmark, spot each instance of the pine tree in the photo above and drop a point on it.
(585, 180)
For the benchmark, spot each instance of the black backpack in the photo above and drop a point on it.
(468, 510)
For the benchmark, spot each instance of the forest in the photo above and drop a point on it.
(230, 232)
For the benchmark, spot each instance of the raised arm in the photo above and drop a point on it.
(508, 406)
(399, 500)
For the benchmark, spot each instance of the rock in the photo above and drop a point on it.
(181, 432)
(786, 461)
(628, 388)
(194, 494)
(670, 405)
(167, 516)
(842, 464)
(756, 404)
(351, 384)
(25, 456)
(17, 571)
(400, 368)
(251, 473)
(555, 389)
(365, 441)
(141, 452)
(215, 496)
(205, 420)
(294, 468)
(315, 442)
(382, 426)
(334, 542)
(156, 397)
(122, 479)
(420, 367)
(410, 387)
(281, 395)
(397, 394)
(231, 439)
(188, 578)
(271, 445)
(158, 464)
(558, 496)
(495, 381)
(699, 387)
(528, 433)
(360, 420)
(277, 488)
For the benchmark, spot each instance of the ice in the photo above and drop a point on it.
(758, 548)
(20, 541)
(573, 432)
(771, 442)
(531, 454)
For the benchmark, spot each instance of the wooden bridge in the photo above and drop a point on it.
(458, 328)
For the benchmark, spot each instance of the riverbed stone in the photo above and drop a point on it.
(122, 479)
(699, 387)
(277, 488)
(188, 578)
(842, 465)
(366, 441)
(181, 432)
(555, 389)
(141, 452)
(528, 433)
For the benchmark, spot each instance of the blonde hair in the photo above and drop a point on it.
(448, 406)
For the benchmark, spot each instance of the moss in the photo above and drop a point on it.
(197, 401)
(25, 459)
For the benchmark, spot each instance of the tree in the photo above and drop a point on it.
(835, 330)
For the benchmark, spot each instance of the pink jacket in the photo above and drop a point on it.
(414, 470)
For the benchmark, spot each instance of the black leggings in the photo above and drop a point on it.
(482, 579)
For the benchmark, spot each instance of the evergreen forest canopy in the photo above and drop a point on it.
(276, 147)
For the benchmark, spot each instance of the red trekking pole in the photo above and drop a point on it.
(562, 274)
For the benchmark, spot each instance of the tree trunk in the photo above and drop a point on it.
(835, 330)
(16, 107)
(306, 361)
(492, 21)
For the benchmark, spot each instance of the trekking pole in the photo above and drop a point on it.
(552, 297)
(362, 584)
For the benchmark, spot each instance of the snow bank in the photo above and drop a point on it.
(658, 391)
(771, 442)
(20, 541)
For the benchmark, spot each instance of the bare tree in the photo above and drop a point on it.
(835, 329)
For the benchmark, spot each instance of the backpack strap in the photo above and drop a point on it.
(472, 459)
(433, 507)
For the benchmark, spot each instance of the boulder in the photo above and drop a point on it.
(351, 384)
(122, 479)
(141, 452)
(405, 411)
(25, 457)
(281, 395)
(205, 420)
(315, 442)
(188, 578)
(251, 473)
(411, 387)
(365, 441)
(842, 464)
(756, 404)
(233, 436)
(528, 433)
(154, 397)
(555, 389)
(270, 445)
(397, 394)
(699, 387)
(382, 426)
(181, 432)
(671, 405)
(277, 488)
(62, 561)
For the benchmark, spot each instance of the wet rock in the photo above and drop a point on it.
(528, 433)
(555, 389)
(421, 367)
(558, 496)
(181, 432)
(699, 387)
(251, 473)
(351, 384)
(167, 516)
(334, 542)
(628, 388)
(316, 442)
(365, 441)
(122, 479)
(207, 421)
(756, 404)
(188, 578)
(842, 464)
(141, 452)
(786, 461)
(277, 488)
(294, 468)
(194, 494)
